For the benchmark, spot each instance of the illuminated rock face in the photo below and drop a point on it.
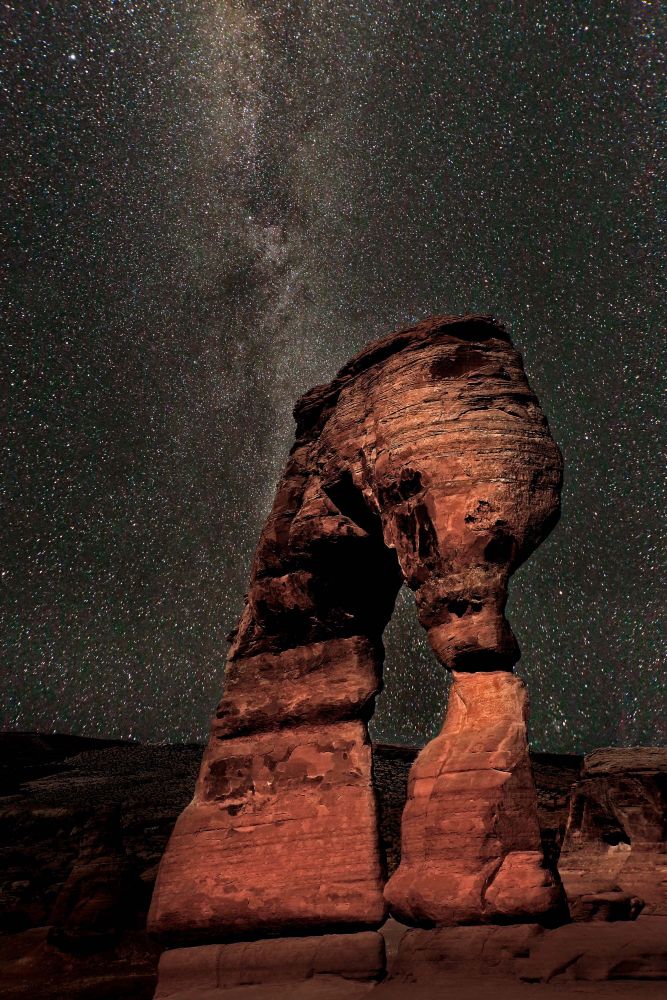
(471, 849)
(426, 460)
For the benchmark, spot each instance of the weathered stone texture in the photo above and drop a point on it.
(272, 961)
(471, 848)
(423, 955)
(281, 834)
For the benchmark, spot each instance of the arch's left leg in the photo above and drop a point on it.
(282, 833)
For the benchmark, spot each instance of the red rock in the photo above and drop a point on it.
(273, 961)
(471, 849)
(426, 460)
(594, 951)
(616, 835)
(325, 681)
(281, 835)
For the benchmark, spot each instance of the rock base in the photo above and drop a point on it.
(596, 951)
(492, 950)
(338, 960)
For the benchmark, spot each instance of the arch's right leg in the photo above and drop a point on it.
(471, 845)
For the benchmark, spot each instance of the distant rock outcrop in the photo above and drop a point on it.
(103, 893)
(615, 846)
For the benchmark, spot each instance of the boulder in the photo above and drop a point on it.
(609, 905)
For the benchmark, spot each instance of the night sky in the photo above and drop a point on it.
(212, 205)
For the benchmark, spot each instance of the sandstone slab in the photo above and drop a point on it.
(625, 760)
(271, 962)
(325, 681)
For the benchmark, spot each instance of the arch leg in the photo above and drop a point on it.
(471, 849)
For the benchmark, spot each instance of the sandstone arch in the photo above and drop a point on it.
(426, 460)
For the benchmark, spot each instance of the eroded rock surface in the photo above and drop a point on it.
(424, 955)
(350, 957)
(471, 848)
(282, 834)
(427, 460)
(43, 830)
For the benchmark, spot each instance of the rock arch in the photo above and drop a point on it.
(426, 460)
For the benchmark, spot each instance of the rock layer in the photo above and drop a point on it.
(423, 955)
(271, 962)
(281, 835)
(471, 848)
(427, 460)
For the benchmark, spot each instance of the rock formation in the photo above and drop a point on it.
(426, 460)
(44, 829)
(471, 847)
(614, 856)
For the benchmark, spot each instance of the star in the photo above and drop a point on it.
(222, 205)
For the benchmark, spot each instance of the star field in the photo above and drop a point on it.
(211, 207)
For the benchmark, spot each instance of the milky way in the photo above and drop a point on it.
(212, 206)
